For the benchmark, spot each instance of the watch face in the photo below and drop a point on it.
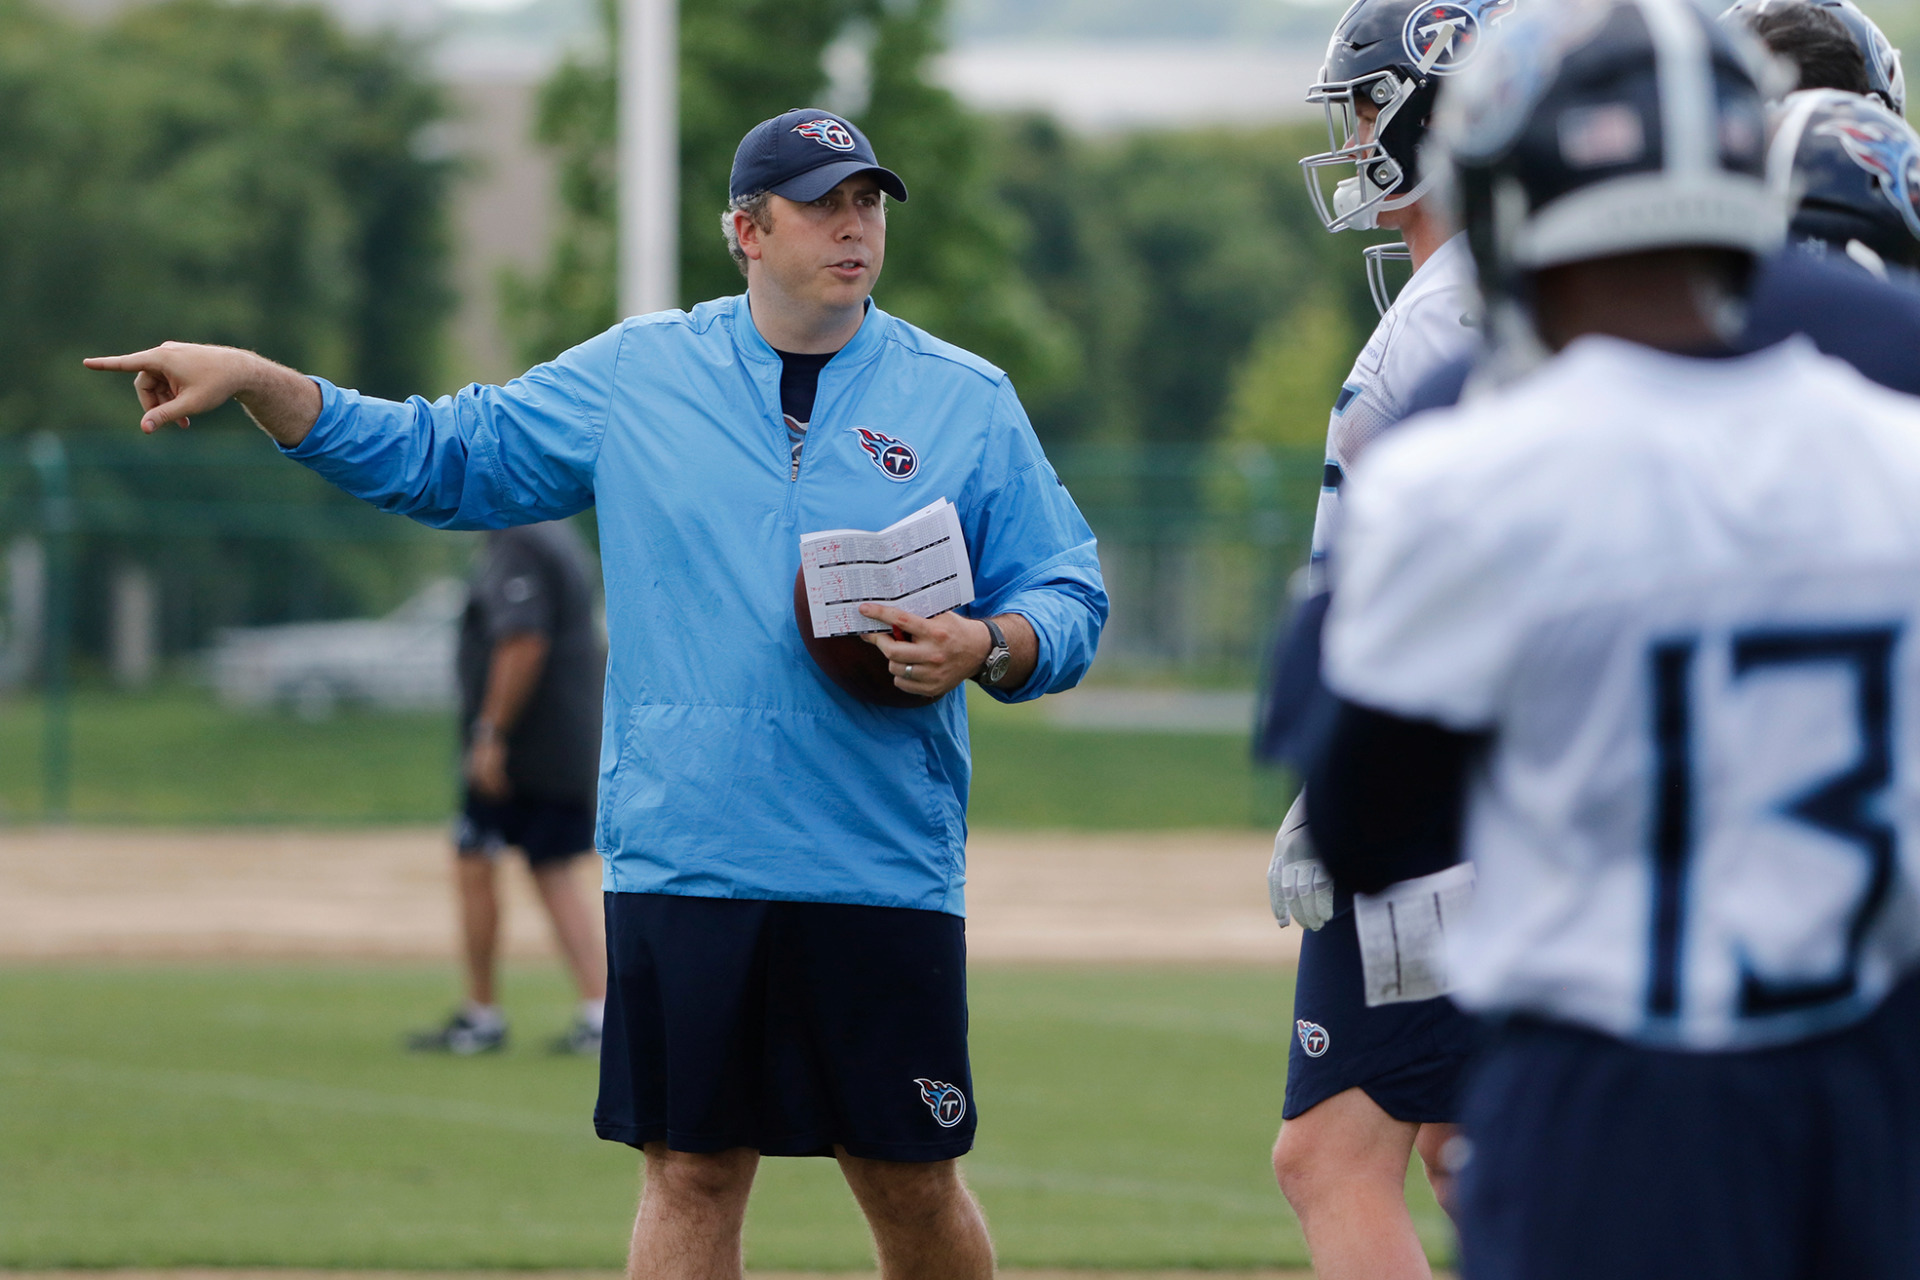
(997, 669)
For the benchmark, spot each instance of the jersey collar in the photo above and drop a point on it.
(865, 345)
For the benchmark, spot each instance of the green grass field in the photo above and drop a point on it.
(189, 1115)
(176, 756)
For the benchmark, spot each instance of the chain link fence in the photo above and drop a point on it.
(129, 561)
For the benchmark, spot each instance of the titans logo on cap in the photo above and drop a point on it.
(828, 133)
(895, 458)
(1444, 37)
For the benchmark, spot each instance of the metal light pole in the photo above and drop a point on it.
(649, 156)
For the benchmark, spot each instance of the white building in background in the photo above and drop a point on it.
(1103, 86)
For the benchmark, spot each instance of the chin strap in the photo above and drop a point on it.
(1425, 185)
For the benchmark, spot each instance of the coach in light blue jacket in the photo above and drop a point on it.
(785, 863)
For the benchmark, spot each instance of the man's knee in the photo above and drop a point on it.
(1342, 1144)
(706, 1177)
(904, 1193)
(474, 871)
(1295, 1161)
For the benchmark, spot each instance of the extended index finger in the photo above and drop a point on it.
(138, 362)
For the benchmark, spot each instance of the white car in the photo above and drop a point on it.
(403, 661)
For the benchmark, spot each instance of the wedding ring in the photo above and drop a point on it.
(909, 671)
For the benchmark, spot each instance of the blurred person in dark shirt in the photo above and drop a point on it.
(531, 667)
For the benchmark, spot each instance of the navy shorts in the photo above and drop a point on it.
(1408, 1057)
(546, 831)
(789, 1027)
(1593, 1159)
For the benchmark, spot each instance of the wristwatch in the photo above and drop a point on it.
(999, 657)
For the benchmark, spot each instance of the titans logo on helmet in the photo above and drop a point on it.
(1886, 155)
(1442, 38)
(895, 458)
(1313, 1038)
(948, 1104)
(828, 133)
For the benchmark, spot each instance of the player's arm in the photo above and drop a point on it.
(177, 380)
(513, 673)
(1418, 641)
(1389, 796)
(1299, 885)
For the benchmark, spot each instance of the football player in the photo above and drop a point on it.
(1850, 169)
(1851, 212)
(1814, 35)
(1368, 1086)
(1642, 630)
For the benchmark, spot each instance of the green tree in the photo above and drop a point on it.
(1280, 392)
(1170, 254)
(247, 173)
(951, 258)
(243, 173)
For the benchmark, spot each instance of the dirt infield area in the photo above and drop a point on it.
(80, 892)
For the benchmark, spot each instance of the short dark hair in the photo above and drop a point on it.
(1815, 40)
(759, 209)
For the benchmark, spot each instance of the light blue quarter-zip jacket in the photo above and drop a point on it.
(731, 767)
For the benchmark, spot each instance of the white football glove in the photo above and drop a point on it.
(1297, 882)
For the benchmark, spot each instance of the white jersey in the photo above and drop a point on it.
(1429, 325)
(1683, 596)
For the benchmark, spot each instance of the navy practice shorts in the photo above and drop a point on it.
(1408, 1057)
(546, 831)
(1593, 1159)
(789, 1027)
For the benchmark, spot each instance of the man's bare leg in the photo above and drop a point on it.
(1343, 1168)
(576, 925)
(692, 1208)
(926, 1224)
(479, 924)
(1432, 1146)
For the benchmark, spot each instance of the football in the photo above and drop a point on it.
(850, 662)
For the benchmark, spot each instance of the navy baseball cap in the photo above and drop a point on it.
(804, 154)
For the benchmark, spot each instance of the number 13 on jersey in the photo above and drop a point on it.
(1773, 763)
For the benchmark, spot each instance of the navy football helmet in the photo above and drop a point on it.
(1886, 78)
(1849, 170)
(1392, 54)
(1595, 128)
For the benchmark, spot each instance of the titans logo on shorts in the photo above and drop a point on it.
(1408, 1057)
(1314, 1041)
(947, 1102)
